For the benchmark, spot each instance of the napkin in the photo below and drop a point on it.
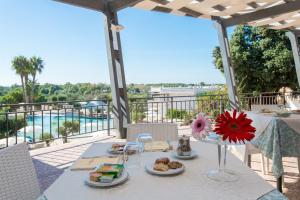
(157, 146)
(91, 163)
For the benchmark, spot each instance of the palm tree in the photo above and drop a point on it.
(37, 66)
(22, 67)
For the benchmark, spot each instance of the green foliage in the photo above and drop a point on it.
(261, 58)
(68, 127)
(46, 137)
(12, 125)
(27, 69)
(13, 96)
(138, 116)
(176, 114)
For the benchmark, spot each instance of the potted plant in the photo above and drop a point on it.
(67, 128)
(47, 138)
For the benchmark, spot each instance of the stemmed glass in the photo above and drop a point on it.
(145, 139)
(132, 148)
(222, 174)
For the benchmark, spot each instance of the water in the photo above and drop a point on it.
(47, 124)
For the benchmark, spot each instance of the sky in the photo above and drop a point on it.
(157, 47)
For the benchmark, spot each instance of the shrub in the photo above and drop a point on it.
(46, 137)
(138, 116)
(67, 128)
(176, 114)
(11, 125)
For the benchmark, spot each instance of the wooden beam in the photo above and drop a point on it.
(116, 5)
(264, 13)
(97, 5)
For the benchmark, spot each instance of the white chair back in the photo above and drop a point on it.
(18, 180)
(159, 131)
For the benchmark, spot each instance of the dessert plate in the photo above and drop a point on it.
(122, 179)
(192, 156)
(170, 172)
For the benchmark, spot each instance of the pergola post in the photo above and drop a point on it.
(120, 106)
(296, 53)
(227, 65)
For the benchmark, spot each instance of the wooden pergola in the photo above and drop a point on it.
(274, 14)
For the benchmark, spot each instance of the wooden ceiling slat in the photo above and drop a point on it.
(226, 9)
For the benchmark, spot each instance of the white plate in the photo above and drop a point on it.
(170, 172)
(122, 179)
(193, 155)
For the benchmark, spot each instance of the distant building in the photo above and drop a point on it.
(182, 91)
(176, 98)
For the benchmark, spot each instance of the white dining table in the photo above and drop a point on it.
(192, 184)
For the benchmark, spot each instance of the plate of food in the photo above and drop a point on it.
(164, 167)
(189, 156)
(116, 148)
(107, 175)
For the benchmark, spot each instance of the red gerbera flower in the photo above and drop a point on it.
(235, 128)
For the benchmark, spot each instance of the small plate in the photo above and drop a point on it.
(192, 156)
(170, 172)
(122, 179)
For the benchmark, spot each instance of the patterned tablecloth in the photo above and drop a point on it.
(277, 137)
(273, 195)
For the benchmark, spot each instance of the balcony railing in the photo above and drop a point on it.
(34, 123)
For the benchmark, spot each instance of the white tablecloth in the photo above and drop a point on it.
(192, 184)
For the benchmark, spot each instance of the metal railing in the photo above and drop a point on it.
(34, 123)
(183, 109)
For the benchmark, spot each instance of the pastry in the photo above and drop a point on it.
(163, 160)
(94, 176)
(161, 167)
(174, 165)
(116, 145)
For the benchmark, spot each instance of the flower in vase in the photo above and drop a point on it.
(234, 128)
(200, 127)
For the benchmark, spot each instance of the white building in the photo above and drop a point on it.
(176, 98)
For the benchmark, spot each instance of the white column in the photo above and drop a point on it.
(227, 65)
(117, 76)
(295, 48)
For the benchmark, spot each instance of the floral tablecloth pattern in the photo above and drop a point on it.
(273, 195)
(276, 141)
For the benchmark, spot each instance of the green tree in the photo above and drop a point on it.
(12, 97)
(36, 66)
(261, 58)
(21, 65)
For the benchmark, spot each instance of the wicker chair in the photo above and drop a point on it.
(18, 180)
(159, 131)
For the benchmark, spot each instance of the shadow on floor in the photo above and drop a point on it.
(46, 174)
(292, 191)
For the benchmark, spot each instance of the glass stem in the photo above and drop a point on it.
(219, 156)
(225, 156)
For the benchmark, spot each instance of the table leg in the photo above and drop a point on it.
(249, 161)
(279, 184)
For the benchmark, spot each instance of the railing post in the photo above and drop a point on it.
(221, 104)
(260, 99)
(108, 118)
(171, 109)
